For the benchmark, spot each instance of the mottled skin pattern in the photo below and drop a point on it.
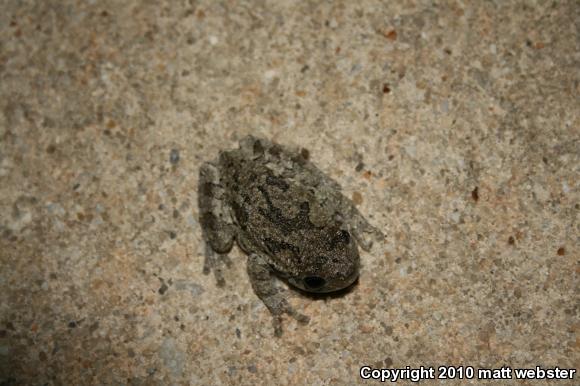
(289, 218)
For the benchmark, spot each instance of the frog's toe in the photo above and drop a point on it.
(215, 262)
(277, 324)
(378, 235)
(218, 274)
(300, 318)
(225, 260)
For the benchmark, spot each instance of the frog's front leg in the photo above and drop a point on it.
(264, 285)
(358, 226)
(216, 222)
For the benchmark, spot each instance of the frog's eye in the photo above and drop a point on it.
(314, 282)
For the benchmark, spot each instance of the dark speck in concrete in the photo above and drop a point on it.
(475, 194)
(388, 329)
(305, 154)
(174, 156)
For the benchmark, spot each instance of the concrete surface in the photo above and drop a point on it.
(454, 125)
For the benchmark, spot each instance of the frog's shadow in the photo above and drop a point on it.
(324, 295)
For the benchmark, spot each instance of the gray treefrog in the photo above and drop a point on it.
(288, 216)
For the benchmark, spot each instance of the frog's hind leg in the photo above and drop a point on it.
(264, 285)
(216, 222)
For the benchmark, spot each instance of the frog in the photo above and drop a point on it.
(291, 220)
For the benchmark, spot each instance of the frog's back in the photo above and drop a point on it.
(263, 178)
(269, 189)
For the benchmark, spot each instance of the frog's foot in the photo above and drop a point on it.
(215, 262)
(358, 226)
(363, 232)
(365, 236)
(264, 285)
(280, 308)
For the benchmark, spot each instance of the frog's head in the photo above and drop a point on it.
(330, 264)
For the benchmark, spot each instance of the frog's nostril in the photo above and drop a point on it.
(314, 282)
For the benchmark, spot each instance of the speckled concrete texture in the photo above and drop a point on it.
(455, 127)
